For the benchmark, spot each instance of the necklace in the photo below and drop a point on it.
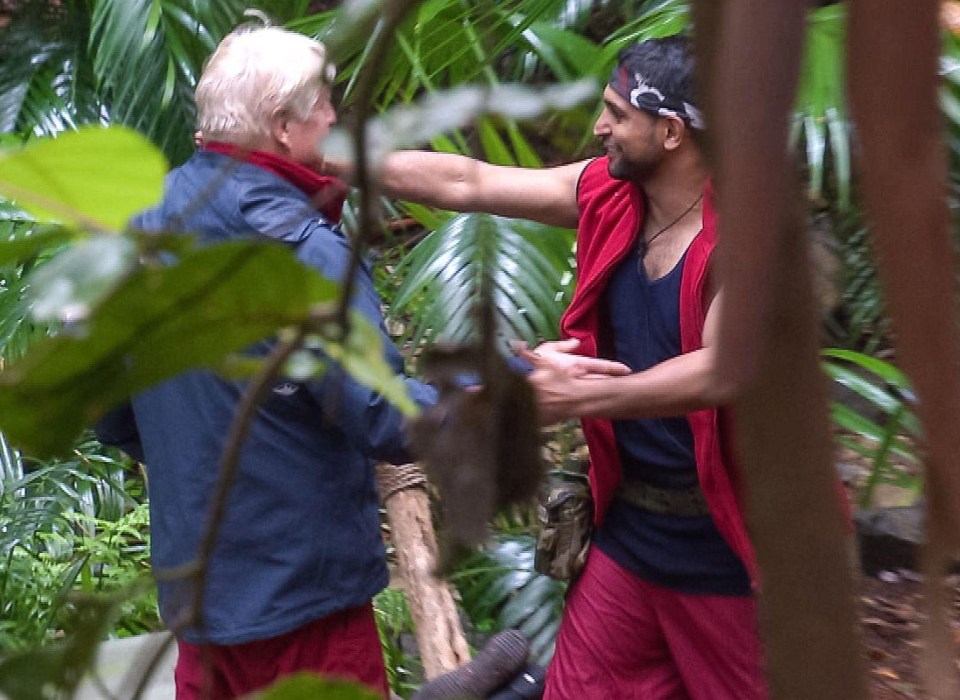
(643, 244)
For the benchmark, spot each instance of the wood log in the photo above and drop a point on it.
(437, 627)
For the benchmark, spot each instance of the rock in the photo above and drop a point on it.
(889, 538)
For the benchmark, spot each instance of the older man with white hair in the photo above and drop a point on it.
(300, 556)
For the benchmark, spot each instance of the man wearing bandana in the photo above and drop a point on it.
(664, 607)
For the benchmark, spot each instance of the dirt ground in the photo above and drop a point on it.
(890, 618)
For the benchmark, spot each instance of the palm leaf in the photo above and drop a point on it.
(528, 263)
(820, 116)
(450, 42)
(499, 586)
(46, 81)
(147, 57)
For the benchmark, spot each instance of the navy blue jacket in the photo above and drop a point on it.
(301, 537)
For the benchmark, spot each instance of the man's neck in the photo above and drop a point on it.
(670, 192)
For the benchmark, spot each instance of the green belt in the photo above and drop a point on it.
(682, 502)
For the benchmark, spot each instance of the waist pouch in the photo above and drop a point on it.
(565, 514)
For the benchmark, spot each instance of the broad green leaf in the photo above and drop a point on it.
(161, 321)
(309, 686)
(20, 249)
(869, 390)
(93, 178)
(66, 287)
(884, 370)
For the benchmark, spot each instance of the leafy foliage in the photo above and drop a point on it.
(47, 83)
(70, 525)
(821, 113)
(530, 265)
(888, 434)
(74, 180)
(132, 62)
(156, 319)
(56, 670)
(393, 623)
(499, 589)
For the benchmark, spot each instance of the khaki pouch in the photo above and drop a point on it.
(565, 512)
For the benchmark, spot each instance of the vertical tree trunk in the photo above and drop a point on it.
(439, 633)
(893, 91)
(750, 52)
(794, 499)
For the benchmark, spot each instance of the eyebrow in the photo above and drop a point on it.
(612, 106)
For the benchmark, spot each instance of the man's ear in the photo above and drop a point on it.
(279, 128)
(675, 134)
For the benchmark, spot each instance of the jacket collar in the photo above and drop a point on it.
(327, 193)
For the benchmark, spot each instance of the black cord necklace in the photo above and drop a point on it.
(643, 244)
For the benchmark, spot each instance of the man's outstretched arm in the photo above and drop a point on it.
(459, 183)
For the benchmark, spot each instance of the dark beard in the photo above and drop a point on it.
(631, 170)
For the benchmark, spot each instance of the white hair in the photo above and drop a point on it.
(253, 75)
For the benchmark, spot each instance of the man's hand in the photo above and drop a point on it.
(561, 355)
(563, 380)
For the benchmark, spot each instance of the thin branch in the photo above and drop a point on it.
(394, 13)
(230, 462)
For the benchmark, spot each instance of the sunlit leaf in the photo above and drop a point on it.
(92, 178)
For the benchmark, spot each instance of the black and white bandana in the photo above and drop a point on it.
(635, 89)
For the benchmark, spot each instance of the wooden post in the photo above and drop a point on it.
(439, 633)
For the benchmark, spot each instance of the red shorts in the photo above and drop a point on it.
(622, 637)
(344, 645)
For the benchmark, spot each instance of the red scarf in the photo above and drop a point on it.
(327, 193)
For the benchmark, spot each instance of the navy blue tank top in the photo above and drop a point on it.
(686, 554)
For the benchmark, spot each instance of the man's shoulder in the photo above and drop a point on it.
(596, 185)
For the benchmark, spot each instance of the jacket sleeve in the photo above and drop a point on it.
(118, 428)
(371, 423)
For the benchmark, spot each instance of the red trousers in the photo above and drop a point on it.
(344, 645)
(622, 637)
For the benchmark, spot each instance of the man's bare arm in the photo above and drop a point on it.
(459, 183)
(676, 386)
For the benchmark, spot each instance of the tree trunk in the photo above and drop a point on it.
(439, 633)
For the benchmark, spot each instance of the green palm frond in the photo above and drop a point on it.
(148, 54)
(499, 588)
(444, 43)
(529, 265)
(866, 324)
(950, 102)
(46, 80)
(820, 117)
(657, 19)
